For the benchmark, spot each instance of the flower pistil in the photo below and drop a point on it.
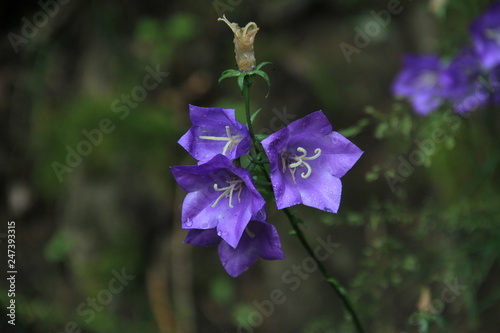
(234, 185)
(292, 162)
(232, 140)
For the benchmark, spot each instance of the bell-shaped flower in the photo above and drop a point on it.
(485, 33)
(421, 80)
(307, 160)
(215, 131)
(260, 239)
(467, 87)
(220, 195)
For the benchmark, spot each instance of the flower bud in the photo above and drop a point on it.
(243, 44)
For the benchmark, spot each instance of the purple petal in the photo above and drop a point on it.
(466, 89)
(485, 32)
(210, 134)
(237, 261)
(208, 205)
(261, 239)
(269, 244)
(202, 116)
(202, 237)
(316, 182)
(191, 177)
(422, 81)
(342, 153)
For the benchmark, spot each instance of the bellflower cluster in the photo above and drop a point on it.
(470, 80)
(224, 206)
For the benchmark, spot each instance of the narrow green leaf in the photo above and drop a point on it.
(252, 117)
(355, 129)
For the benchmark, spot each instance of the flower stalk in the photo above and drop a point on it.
(295, 221)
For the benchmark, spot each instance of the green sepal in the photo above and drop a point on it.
(262, 64)
(260, 158)
(267, 195)
(229, 73)
(241, 80)
(261, 137)
(263, 75)
(250, 76)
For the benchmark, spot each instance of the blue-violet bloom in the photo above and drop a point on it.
(485, 33)
(260, 239)
(307, 160)
(220, 195)
(467, 88)
(421, 81)
(215, 131)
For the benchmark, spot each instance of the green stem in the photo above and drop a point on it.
(295, 221)
(246, 96)
(336, 286)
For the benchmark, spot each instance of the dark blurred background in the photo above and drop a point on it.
(87, 142)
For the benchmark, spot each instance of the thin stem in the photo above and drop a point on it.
(336, 286)
(295, 221)
(246, 96)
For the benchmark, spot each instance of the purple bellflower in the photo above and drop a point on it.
(215, 131)
(485, 31)
(260, 239)
(421, 81)
(220, 195)
(466, 88)
(307, 160)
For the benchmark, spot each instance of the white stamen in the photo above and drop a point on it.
(493, 34)
(427, 79)
(234, 185)
(299, 161)
(232, 141)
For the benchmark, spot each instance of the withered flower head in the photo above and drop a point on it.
(243, 44)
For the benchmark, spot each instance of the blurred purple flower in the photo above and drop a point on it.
(485, 31)
(221, 195)
(421, 81)
(307, 160)
(467, 89)
(215, 131)
(494, 79)
(260, 239)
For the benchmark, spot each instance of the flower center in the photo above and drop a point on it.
(493, 34)
(292, 162)
(227, 192)
(427, 79)
(232, 140)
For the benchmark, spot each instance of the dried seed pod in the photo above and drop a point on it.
(243, 44)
